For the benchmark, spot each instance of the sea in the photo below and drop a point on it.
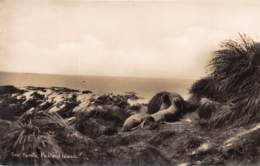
(143, 87)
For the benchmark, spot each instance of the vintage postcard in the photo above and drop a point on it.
(130, 82)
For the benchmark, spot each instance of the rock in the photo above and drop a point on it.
(33, 100)
(132, 96)
(67, 108)
(135, 107)
(9, 89)
(86, 91)
(43, 89)
(101, 120)
(63, 90)
(110, 99)
(11, 108)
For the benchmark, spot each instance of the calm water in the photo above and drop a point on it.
(144, 87)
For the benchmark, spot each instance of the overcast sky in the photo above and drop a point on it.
(128, 38)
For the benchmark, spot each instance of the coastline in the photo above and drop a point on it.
(87, 128)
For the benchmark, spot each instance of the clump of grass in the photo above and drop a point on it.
(235, 66)
(46, 122)
(27, 144)
(34, 139)
(42, 138)
(234, 81)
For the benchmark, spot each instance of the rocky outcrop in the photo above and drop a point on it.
(49, 126)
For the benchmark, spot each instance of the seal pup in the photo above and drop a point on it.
(135, 119)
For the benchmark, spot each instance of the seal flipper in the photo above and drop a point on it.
(131, 125)
(149, 123)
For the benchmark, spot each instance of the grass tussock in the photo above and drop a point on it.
(234, 82)
(32, 139)
(26, 144)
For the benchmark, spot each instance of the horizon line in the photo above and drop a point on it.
(93, 75)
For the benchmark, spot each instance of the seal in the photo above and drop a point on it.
(165, 114)
(171, 108)
(164, 107)
(163, 100)
(135, 119)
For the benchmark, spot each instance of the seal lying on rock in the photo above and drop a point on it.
(163, 100)
(172, 105)
(167, 113)
(164, 106)
(135, 119)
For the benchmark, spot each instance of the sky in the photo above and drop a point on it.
(168, 39)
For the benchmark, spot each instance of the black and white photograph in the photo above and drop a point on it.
(130, 82)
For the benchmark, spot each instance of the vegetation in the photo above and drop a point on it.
(233, 84)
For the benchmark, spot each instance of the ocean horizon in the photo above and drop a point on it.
(143, 87)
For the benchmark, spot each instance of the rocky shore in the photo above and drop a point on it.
(49, 126)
